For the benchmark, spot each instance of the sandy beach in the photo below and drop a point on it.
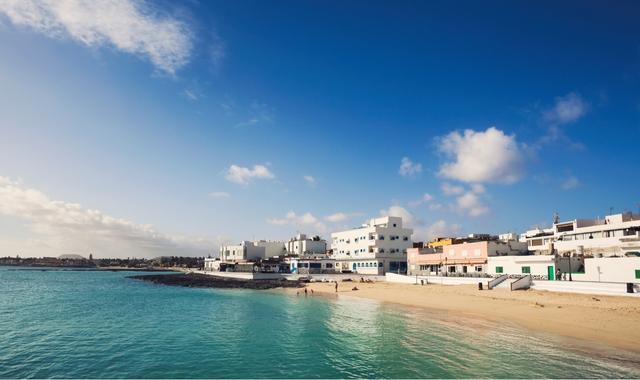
(611, 320)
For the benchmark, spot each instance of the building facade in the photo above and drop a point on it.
(271, 248)
(302, 245)
(466, 258)
(378, 246)
(245, 251)
(614, 235)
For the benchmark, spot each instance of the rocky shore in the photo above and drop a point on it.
(205, 281)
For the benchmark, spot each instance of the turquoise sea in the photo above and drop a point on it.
(81, 324)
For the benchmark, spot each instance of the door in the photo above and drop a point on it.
(550, 273)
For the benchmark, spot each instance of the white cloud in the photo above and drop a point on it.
(307, 220)
(408, 219)
(478, 188)
(191, 95)
(59, 227)
(131, 26)
(408, 168)
(243, 175)
(442, 229)
(567, 109)
(258, 113)
(481, 156)
(435, 206)
(426, 198)
(449, 189)
(309, 179)
(421, 232)
(470, 203)
(219, 194)
(570, 183)
(341, 216)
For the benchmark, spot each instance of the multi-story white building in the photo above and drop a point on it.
(251, 250)
(302, 245)
(614, 235)
(378, 246)
(245, 251)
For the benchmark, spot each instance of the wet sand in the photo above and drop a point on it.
(612, 320)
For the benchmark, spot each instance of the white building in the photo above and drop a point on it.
(302, 245)
(614, 235)
(251, 251)
(306, 265)
(245, 251)
(271, 248)
(538, 266)
(378, 246)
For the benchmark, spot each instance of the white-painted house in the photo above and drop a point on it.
(302, 245)
(538, 266)
(378, 246)
(245, 251)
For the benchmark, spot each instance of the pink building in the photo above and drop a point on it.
(464, 258)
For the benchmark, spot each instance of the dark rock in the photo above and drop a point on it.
(206, 281)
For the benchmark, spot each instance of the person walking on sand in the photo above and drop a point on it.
(305, 292)
(336, 286)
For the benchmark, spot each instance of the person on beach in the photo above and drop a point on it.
(305, 292)
(336, 286)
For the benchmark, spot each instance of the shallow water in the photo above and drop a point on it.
(75, 324)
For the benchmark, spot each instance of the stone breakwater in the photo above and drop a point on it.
(193, 280)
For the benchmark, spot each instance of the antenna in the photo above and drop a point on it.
(610, 210)
(556, 217)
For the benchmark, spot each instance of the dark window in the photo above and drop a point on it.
(526, 270)
(499, 270)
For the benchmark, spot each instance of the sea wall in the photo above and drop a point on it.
(586, 287)
(399, 278)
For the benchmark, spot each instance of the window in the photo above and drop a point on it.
(381, 237)
(405, 238)
(380, 264)
(328, 265)
(394, 224)
(637, 273)
(315, 265)
(499, 270)
(526, 270)
(478, 268)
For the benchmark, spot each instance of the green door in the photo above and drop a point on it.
(550, 273)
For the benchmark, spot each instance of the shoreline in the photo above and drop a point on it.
(610, 320)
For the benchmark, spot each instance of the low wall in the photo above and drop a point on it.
(402, 279)
(602, 288)
(246, 275)
(355, 277)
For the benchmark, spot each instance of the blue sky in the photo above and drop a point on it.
(190, 124)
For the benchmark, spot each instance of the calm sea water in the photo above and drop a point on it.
(73, 324)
